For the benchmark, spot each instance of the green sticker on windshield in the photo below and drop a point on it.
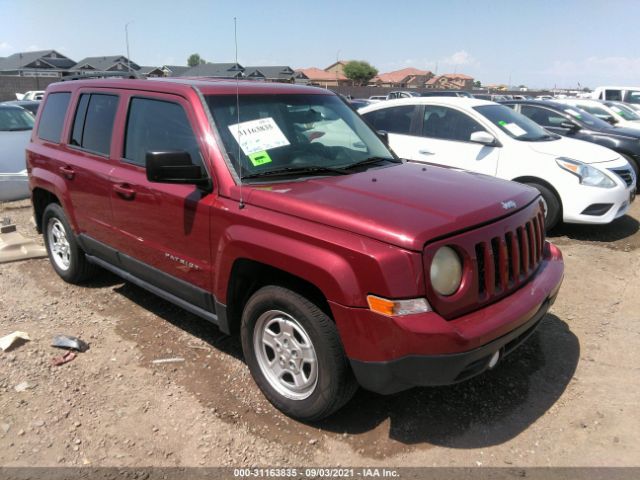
(502, 123)
(259, 158)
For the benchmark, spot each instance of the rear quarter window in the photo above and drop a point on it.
(52, 118)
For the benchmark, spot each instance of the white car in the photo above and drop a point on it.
(31, 95)
(16, 124)
(580, 182)
(628, 95)
(615, 113)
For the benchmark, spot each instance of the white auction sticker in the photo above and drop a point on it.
(258, 135)
(573, 112)
(515, 129)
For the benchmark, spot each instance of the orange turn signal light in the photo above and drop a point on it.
(390, 308)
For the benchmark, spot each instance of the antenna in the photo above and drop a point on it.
(235, 37)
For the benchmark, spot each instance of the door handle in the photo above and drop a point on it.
(125, 191)
(425, 152)
(68, 172)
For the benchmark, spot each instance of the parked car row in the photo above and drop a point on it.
(580, 182)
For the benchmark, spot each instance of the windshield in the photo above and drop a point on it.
(625, 112)
(586, 118)
(514, 124)
(633, 96)
(15, 119)
(293, 132)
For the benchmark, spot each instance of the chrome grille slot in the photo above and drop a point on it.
(625, 174)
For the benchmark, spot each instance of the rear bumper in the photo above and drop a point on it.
(390, 354)
(14, 186)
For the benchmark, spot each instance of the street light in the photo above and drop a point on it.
(126, 36)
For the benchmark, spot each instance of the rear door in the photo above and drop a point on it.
(162, 229)
(86, 163)
(444, 134)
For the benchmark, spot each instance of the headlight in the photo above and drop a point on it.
(587, 174)
(446, 271)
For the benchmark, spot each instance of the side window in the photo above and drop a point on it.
(448, 124)
(615, 95)
(392, 120)
(542, 116)
(93, 122)
(52, 118)
(158, 125)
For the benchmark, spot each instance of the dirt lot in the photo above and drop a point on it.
(569, 397)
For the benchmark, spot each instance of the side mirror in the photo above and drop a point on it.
(174, 167)
(483, 138)
(608, 119)
(570, 126)
(384, 136)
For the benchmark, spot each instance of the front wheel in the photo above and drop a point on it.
(294, 353)
(551, 204)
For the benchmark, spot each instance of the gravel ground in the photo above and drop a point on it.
(568, 397)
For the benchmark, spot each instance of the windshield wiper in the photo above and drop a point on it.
(310, 169)
(370, 161)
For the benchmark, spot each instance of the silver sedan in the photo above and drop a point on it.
(16, 124)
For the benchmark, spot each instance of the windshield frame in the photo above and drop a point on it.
(238, 173)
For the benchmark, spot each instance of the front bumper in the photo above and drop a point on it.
(390, 354)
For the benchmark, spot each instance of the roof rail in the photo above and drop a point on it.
(95, 75)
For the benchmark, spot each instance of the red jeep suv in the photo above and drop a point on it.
(274, 211)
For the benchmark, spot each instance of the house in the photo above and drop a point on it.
(273, 74)
(216, 70)
(337, 67)
(322, 78)
(43, 63)
(113, 63)
(405, 78)
(174, 70)
(451, 81)
(281, 73)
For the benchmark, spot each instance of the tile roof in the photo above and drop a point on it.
(316, 74)
(398, 75)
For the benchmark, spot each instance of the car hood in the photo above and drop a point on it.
(575, 149)
(405, 205)
(13, 146)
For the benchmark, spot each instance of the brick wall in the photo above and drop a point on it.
(10, 85)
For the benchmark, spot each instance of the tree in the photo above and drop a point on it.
(477, 84)
(359, 72)
(195, 59)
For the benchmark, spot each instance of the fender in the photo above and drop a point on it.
(343, 275)
(54, 184)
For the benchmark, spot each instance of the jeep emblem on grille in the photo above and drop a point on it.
(509, 204)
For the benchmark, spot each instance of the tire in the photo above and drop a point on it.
(65, 255)
(302, 332)
(634, 165)
(553, 207)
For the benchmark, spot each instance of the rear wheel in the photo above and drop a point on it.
(294, 353)
(65, 255)
(551, 204)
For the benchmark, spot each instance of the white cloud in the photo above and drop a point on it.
(5, 46)
(461, 57)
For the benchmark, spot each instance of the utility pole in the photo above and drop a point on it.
(126, 36)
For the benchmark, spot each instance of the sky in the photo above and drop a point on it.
(537, 43)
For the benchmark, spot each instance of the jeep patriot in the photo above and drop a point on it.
(275, 212)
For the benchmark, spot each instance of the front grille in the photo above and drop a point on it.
(505, 261)
(625, 174)
(498, 258)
